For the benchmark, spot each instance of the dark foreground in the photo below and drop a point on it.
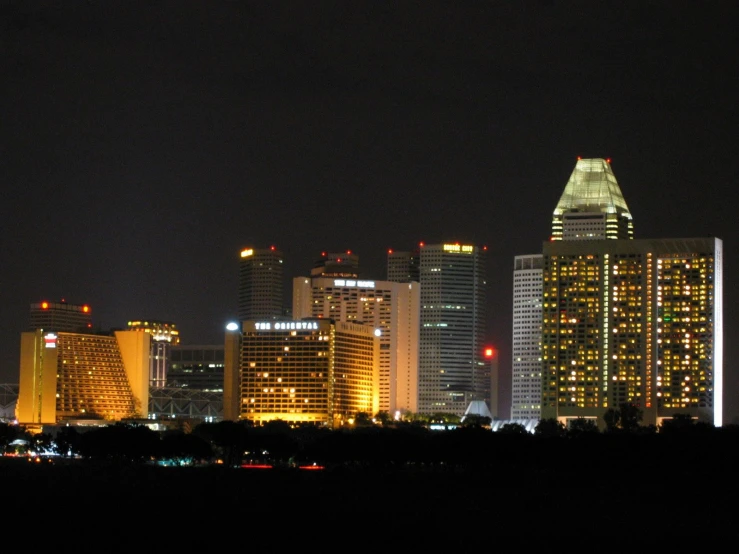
(581, 505)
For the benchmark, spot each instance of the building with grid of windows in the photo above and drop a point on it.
(634, 322)
(591, 207)
(452, 370)
(526, 354)
(260, 284)
(393, 308)
(73, 376)
(309, 371)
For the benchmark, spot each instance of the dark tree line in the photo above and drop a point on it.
(385, 443)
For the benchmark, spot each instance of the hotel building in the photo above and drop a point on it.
(452, 369)
(633, 321)
(393, 308)
(591, 207)
(72, 376)
(319, 371)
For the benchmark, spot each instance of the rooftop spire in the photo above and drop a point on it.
(592, 206)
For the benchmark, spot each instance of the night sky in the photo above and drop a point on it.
(144, 144)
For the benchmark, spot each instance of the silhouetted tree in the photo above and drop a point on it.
(612, 420)
(631, 417)
(513, 428)
(362, 419)
(476, 420)
(581, 427)
(383, 417)
(550, 427)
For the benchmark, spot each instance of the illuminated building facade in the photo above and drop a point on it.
(592, 206)
(164, 334)
(452, 279)
(306, 371)
(60, 316)
(633, 321)
(393, 308)
(526, 353)
(66, 376)
(260, 284)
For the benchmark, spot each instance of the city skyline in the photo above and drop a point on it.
(146, 146)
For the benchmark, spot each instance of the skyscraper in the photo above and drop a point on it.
(260, 284)
(452, 277)
(392, 308)
(526, 354)
(336, 264)
(60, 316)
(592, 207)
(634, 322)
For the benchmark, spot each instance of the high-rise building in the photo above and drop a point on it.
(635, 322)
(526, 352)
(71, 376)
(393, 308)
(592, 206)
(309, 371)
(164, 334)
(336, 264)
(260, 284)
(60, 316)
(452, 278)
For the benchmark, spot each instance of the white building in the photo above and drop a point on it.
(526, 355)
(392, 308)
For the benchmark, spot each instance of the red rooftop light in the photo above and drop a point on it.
(44, 305)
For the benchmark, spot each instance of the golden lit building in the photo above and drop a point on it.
(316, 371)
(66, 376)
(633, 321)
(164, 335)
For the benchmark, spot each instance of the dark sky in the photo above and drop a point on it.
(143, 144)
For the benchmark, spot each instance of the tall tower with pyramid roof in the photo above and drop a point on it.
(592, 206)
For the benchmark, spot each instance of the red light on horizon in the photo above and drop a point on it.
(608, 160)
(348, 251)
(389, 250)
(272, 248)
(421, 244)
(44, 305)
(86, 308)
